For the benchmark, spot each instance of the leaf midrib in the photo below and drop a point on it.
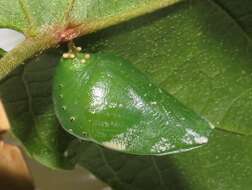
(27, 16)
(69, 10)
(159, 174)
(153, 161)
(108, 166)
(30, 105)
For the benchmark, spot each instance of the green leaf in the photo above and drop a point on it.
(47, 23)
(218, 165)
(241, 13)
(26, 94)
(108, 101)
(33, 17)
(197, 53)
(2, 52)
(201, 55)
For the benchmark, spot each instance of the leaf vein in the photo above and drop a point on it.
(108, 166)
(27, 90)
(235, 21)
(26, 13)
(69, 10)
(155, 165)
(233, 101)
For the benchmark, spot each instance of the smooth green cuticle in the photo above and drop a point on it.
(121, 109)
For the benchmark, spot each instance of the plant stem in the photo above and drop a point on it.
(23, 51)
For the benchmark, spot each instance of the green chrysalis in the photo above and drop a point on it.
(105, 99)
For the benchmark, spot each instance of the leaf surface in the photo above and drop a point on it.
(211, 74)
(218, 165)
(26, 95)
(197, 52)
(32, 17)
(47, 23)
(187, 51)
(240, 12)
